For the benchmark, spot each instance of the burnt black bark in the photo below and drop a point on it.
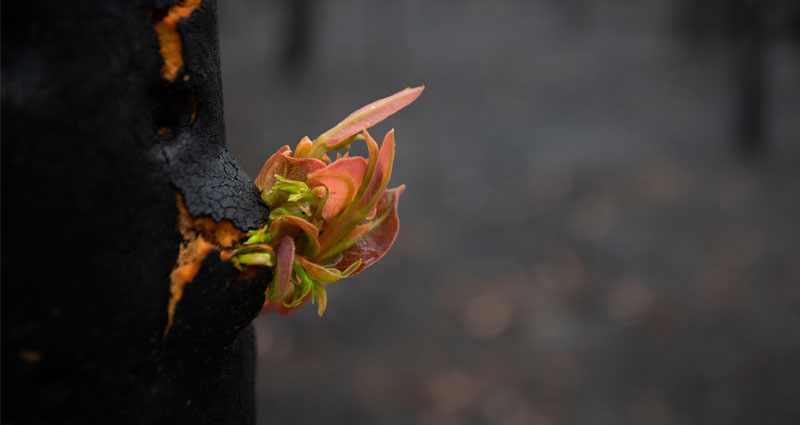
(95, 145)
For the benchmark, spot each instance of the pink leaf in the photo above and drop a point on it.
(381, 173)
(376, 178)
(364, 118)
(283, 273)
(375, 244)
(342, 178)
(289, 225)
(285, 165)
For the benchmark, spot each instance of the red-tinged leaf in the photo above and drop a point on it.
(303, 148)
(352, 237)
(375, 244)
(322, 299)
(299, 168)
(273, 165)
(289, 225)
(283, 272)
(373, 152)
(342, 178)
(285, 165)
(375, 180)
(366, 117)
(381, 174)
(322, 274)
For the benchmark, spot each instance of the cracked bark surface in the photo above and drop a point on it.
(94, 145)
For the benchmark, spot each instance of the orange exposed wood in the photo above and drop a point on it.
(200, 236)
(170, 40)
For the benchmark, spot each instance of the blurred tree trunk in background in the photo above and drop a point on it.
(750, 26)
(96, 144)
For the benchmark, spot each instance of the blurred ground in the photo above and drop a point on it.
(581, 242)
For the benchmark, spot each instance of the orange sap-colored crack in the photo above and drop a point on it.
(200, 236)
(170, 40)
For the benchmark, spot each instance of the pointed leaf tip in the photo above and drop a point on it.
(283, 273)
(375, 244)
(366, 117)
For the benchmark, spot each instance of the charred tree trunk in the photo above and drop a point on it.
(110, 123)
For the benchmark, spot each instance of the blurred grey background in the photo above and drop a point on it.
(601, 222)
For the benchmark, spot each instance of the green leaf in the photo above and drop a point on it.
(323, 298)
(325, 275)
(279, 211)
(260, 235)
(272, 290)
(303, 287)
(255, 259)
(305, 279)
(351, 269)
